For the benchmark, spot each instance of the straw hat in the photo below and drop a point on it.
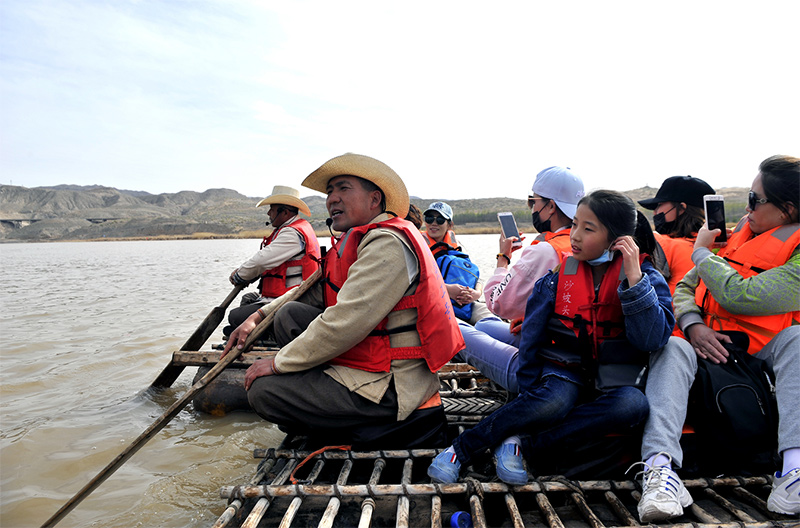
(364, 167)
(286, 196)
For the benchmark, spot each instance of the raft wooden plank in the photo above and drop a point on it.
(209, 358)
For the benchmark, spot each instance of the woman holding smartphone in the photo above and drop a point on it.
(677, 216)
(752, 286)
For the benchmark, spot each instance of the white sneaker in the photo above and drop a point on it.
(663, 494)
(785, 495)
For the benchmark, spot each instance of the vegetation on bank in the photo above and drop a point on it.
(102, 213)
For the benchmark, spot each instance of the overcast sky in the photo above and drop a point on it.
(462, 99)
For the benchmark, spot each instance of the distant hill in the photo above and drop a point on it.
(73, 212)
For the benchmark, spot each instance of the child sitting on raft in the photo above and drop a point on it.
(588, 330)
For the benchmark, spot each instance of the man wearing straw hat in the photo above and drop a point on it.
(287, 256)
(360, 366)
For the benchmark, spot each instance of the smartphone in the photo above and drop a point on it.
(509, 227)
(715, 215)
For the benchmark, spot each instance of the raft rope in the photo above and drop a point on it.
(312, 455)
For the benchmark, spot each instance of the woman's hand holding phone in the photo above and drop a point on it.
(509, 245)
(707, 238)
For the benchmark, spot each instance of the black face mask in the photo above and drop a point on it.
(538, 224)
(662, 226)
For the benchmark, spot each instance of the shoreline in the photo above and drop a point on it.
(467, 229)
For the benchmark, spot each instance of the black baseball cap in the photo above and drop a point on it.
(679, 189)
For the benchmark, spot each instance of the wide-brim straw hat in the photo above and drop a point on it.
(283, 195)
(394, 190)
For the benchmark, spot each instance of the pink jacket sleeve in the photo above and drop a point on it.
(507, 290)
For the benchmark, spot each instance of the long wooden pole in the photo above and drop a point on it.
(176, 407)
(196, 340)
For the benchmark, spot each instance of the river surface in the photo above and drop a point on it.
(85, 328)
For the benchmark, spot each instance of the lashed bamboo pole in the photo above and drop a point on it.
(513, 510)
(728, 505)
(754, 500)
(342, 455)
(737, 524)
(436, 511)
(454, 488)
(291, 511)
(260, 509)
(550, 515)
(585, 510)
(464, 374)
(478, 515)
(700, 514)
(368, 505)
(333, 505)
(619, 509)
(402, 501)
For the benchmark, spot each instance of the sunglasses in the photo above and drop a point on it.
(438, 219)
(532, 200)
(752, 201)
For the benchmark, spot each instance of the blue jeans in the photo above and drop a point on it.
(492, 348)
(498, 329)
(550, 412)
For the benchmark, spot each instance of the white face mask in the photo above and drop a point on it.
(606, 256)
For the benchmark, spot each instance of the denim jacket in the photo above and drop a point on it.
(646, 306)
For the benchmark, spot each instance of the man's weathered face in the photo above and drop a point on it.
(278, 215)
(349, 204)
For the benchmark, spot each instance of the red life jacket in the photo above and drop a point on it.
(436, 323)
(750, 255)
(273, 281)
(588, 330)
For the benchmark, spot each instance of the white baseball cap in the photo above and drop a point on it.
(562, 186)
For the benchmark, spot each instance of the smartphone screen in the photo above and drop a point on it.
(508, 225)
(715, 215)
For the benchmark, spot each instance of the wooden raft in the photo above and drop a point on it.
(391, 488)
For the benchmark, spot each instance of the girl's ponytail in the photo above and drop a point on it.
(644, 235)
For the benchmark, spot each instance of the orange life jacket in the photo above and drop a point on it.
(449, 239)
(750, 255)
(436, 323)
(273, 281)
(678, 252)
(559, 241)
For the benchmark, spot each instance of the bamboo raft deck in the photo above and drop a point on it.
(391, 488)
